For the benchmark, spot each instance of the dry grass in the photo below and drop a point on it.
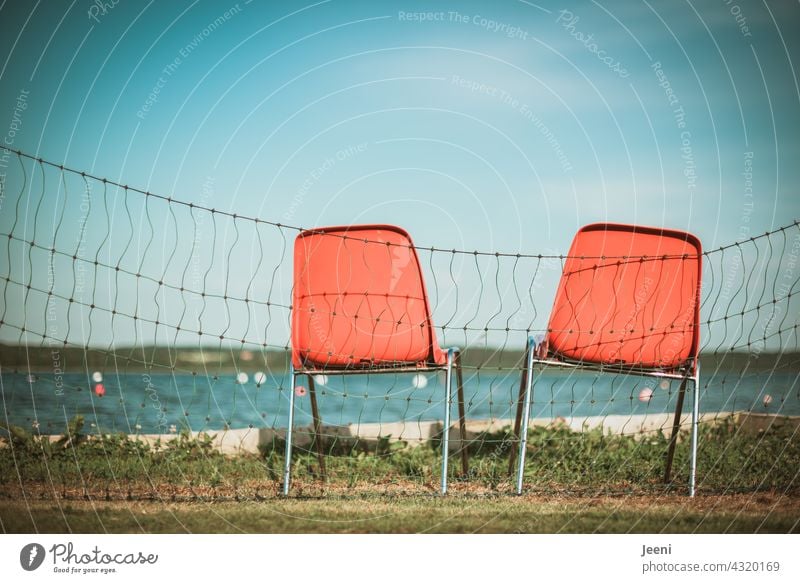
(365, 510)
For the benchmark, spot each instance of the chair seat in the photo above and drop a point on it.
(359, 300)
(628, 296)
(359, 306)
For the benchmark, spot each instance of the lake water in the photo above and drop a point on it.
(159, 403)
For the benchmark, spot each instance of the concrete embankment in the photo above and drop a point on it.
(414, 434)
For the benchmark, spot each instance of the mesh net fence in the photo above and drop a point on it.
(130, 313)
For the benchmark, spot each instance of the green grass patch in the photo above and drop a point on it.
(575, 482)
(558, 459)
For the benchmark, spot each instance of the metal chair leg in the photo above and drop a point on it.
(446, 433)
(287, 468)
(512, 456)
(462, 423)
(523, 442)
(695, 420)
(317, 427)
(676, 426)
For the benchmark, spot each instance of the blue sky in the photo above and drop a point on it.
(493, 126)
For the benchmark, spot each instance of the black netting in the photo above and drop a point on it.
(146, 315)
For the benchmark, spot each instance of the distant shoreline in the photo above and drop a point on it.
(213, 360)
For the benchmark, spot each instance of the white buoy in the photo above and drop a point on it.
(260, 378)
(420, 381)
(241, 378)
(97, 376)
(664, 384)
(645, 395)
(321, 379)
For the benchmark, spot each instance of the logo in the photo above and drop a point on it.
(31, 556)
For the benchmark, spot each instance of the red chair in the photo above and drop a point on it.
(359, 306)
(628, 302)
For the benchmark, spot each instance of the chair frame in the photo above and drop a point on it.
(452, 364)
(691, 373)
(687, 371)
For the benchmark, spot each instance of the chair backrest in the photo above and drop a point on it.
(628, 296)
(359, 300)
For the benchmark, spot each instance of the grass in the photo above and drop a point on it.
(576, 482)
(413, 514)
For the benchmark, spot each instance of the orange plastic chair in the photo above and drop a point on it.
(359, 306)
(628, 302)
